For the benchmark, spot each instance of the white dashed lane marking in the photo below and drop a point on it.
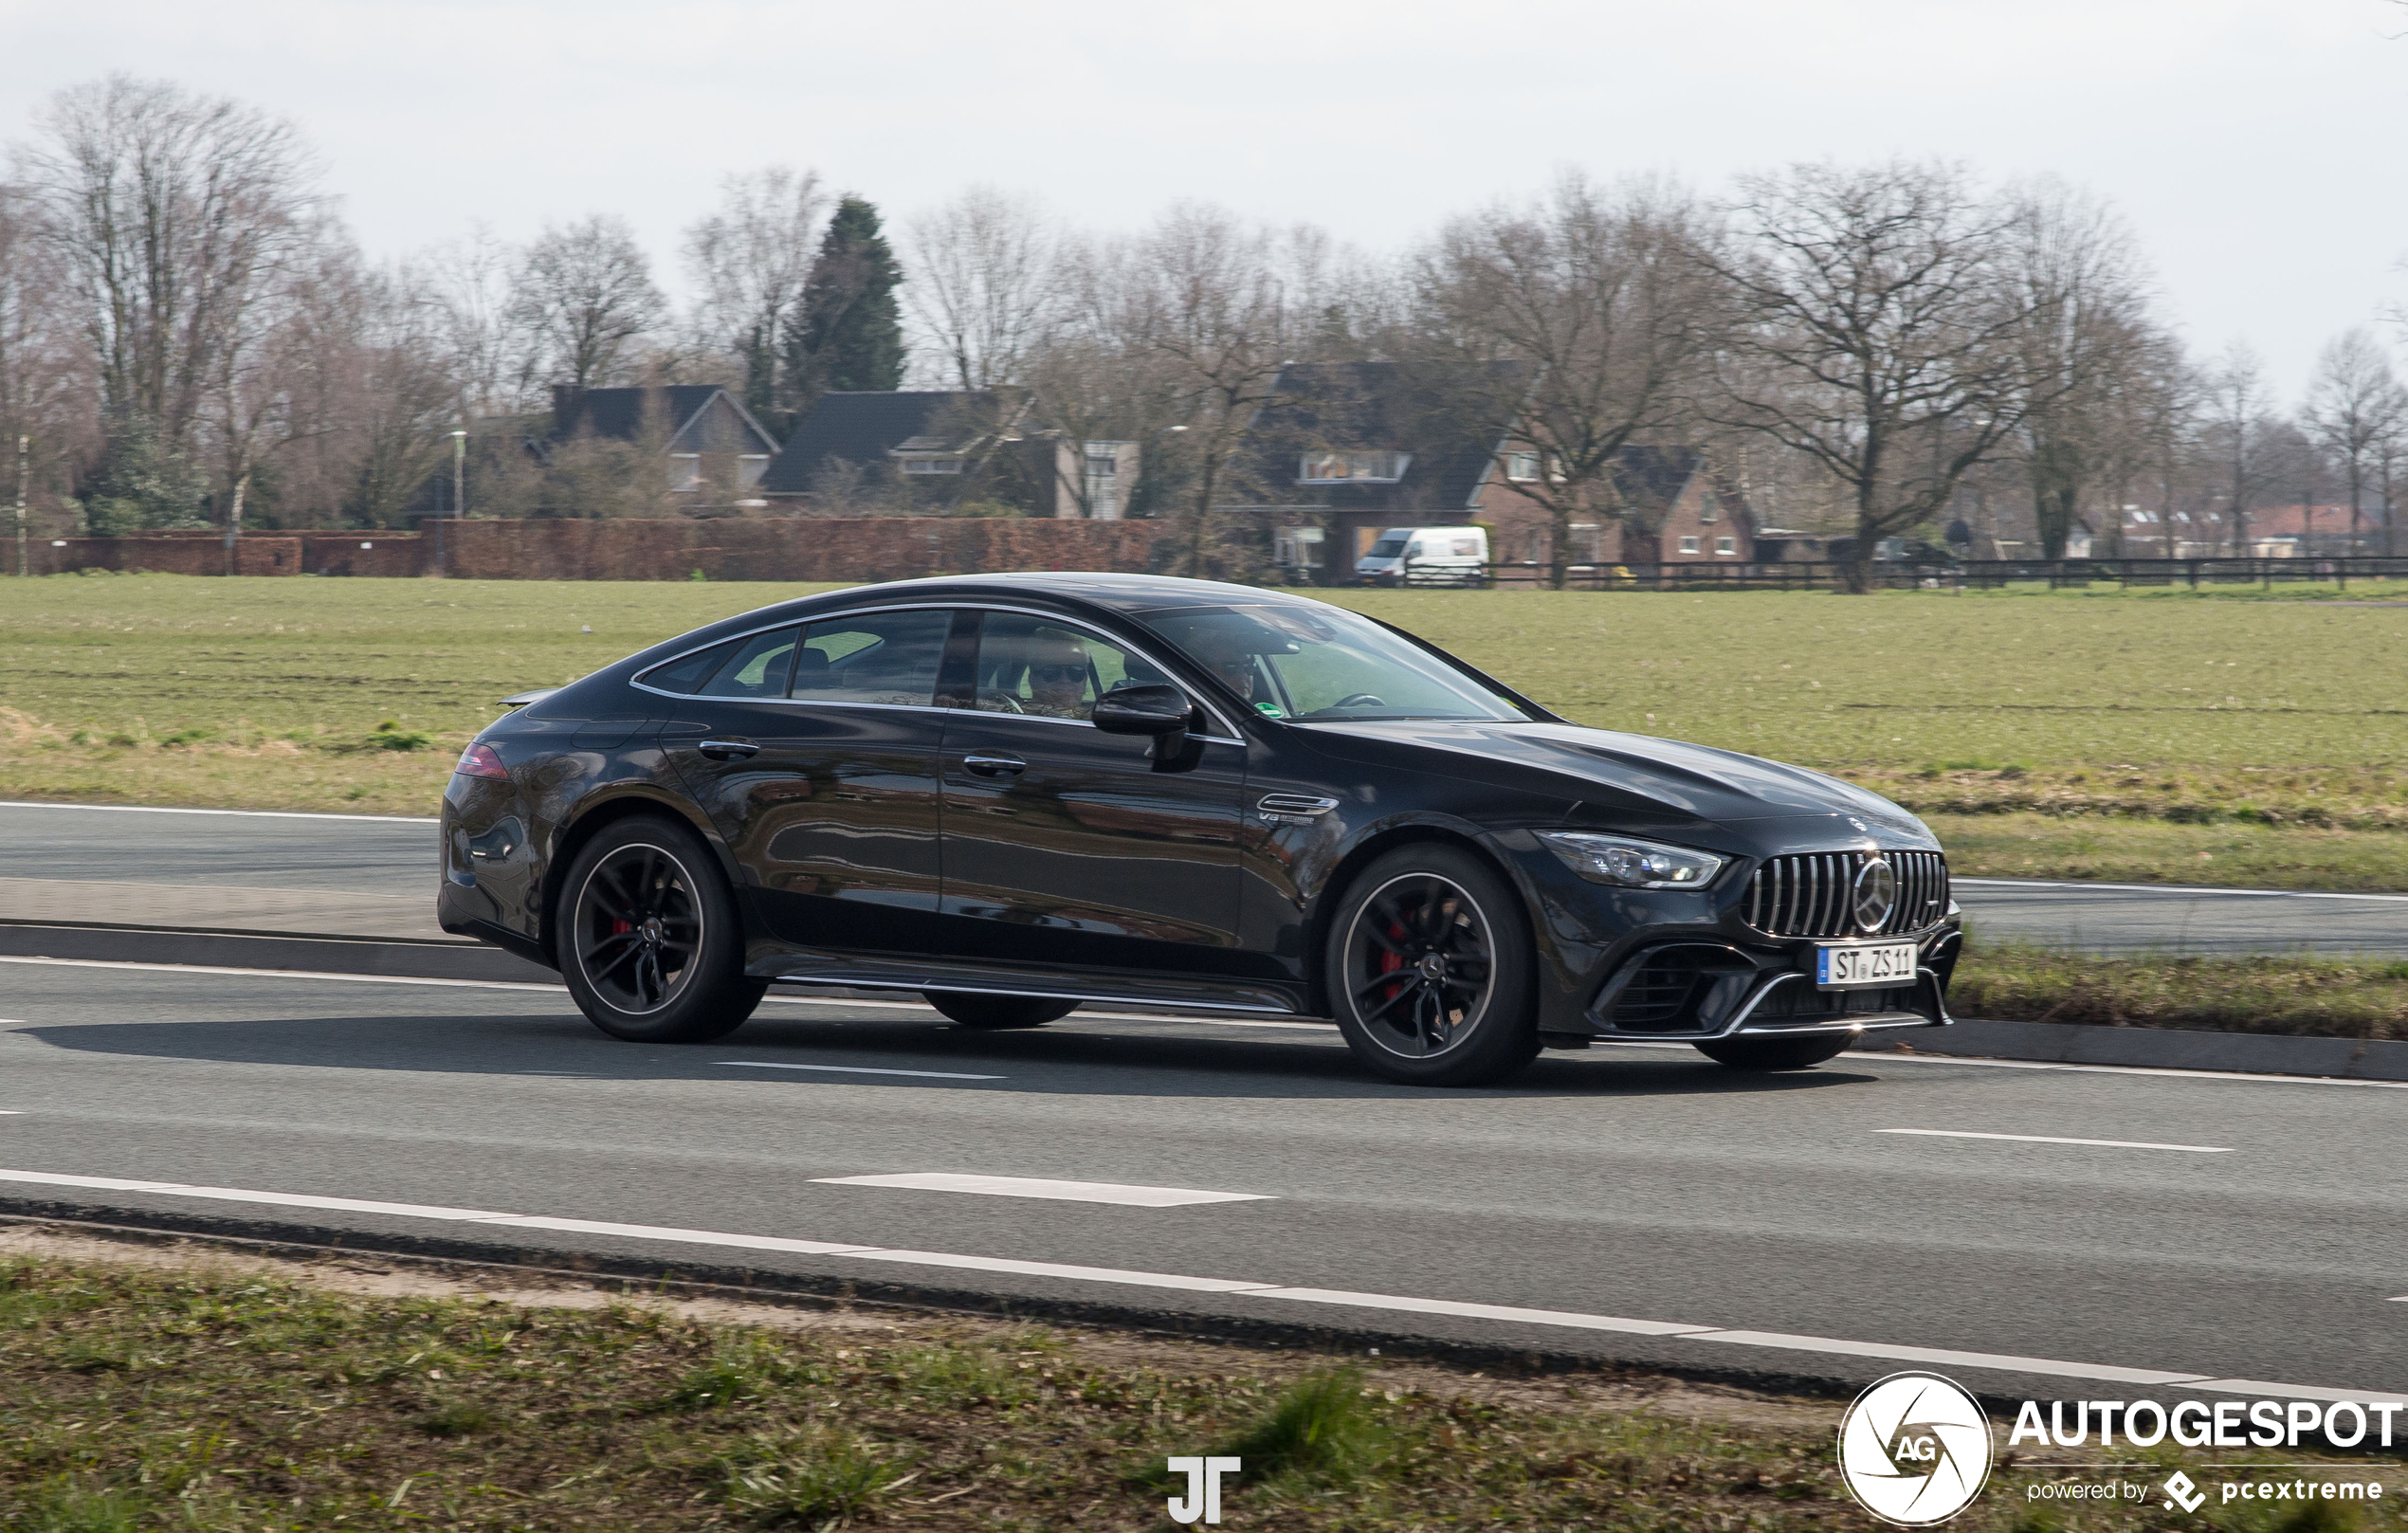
(2048, 1138)
(856, 1069)
(1071, 1192)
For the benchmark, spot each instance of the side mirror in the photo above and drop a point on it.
(1157, 708)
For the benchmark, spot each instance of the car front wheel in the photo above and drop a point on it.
(649, 938)
(1428, 970)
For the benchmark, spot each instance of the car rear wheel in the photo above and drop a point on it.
(1428, 968)
(974, 1010)
(1764, 1053)
(649, 938)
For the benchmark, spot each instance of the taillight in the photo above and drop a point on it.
(482, 761)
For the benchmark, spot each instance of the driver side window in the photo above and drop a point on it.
(1050, 671)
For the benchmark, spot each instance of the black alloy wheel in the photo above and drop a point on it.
(649, 938)
(1773, 1052)
(975, 1010)
(1428, 970)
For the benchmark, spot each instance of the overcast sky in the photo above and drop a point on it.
(2247, 141)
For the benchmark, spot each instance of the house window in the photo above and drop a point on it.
(1689, 545)
(1727, 546)
(1710, 507)
(1588, 541)
(931, 465)
(1103, 461)
(1536, 549)
(686, 472)
(1521, 468)
(1352, 467)
(750, 468)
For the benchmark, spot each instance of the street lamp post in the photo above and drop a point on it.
(459, 490)
(25, 446)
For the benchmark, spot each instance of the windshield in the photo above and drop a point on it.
(1323, 664)
(1387, 547)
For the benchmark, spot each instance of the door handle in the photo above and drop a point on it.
(728, 750)
(995, 766)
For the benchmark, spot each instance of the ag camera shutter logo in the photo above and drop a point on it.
(1914, 1450)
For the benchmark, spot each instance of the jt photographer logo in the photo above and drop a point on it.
(1203, 1499)
(1915, 1449)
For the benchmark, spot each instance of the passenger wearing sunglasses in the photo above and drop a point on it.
(1058, 677)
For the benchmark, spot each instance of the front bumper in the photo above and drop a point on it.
(1684, 990)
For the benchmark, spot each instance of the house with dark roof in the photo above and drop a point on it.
(714, 451)
(936, 449)
(1340, 451)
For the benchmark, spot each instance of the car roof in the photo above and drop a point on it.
(1127, 593)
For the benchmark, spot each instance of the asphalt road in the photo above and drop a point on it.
(2241, 1229)
(357, 876)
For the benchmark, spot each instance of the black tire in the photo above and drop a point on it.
(1427, 966)
(649, 938)
(1773, 1054)
(974, 1010)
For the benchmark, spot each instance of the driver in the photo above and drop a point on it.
(1058, 676)
(1232, 663)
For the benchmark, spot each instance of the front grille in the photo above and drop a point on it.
(1814, 895)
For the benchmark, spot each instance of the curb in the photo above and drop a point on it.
(2061, 1043)
(391, 958)
(2072, 1042)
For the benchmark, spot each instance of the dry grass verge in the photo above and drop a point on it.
(2295, 995)
(152, 1389)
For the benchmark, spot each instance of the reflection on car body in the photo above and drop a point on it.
(1014, 794)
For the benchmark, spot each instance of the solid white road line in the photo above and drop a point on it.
(2049, 1367)
(2047, 1138)
(1071, 1192)
(1202, 1021)
(856, 1070)
(2172, 888)
(241, 813)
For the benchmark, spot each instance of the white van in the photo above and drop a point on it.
(1427, 557)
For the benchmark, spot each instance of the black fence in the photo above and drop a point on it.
(1970, 574)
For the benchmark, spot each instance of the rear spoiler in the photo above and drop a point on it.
(519, 700)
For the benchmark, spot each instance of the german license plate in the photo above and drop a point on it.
(1863, 967)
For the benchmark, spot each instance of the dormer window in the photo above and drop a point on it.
(917, 463)
(1352, 467)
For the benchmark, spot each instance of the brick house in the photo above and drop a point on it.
(1340, 451)
(935, 450)
(714, 451)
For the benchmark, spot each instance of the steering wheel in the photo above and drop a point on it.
(1004, 702)
(1365, 698)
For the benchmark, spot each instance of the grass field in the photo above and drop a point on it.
(226, 1396)
(2219, 737)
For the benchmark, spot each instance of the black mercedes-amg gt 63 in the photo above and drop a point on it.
(1017, 792)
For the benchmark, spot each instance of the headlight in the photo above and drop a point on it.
(1630, 863)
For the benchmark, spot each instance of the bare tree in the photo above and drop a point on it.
(751, 258)
(2238, 428)
(583, 296)
(986, 285)
(1881, 333)
(47, 393)
(2354, 405)
(1602, 297)
(177, 217)
(2094, 364)
(466, 284)
(1199, 304)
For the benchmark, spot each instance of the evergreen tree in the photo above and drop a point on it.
(848, 332)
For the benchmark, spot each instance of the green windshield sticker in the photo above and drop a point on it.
(1272, 708)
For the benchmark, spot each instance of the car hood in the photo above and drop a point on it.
(1666, 779)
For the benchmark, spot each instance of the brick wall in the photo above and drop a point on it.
(862, 548)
